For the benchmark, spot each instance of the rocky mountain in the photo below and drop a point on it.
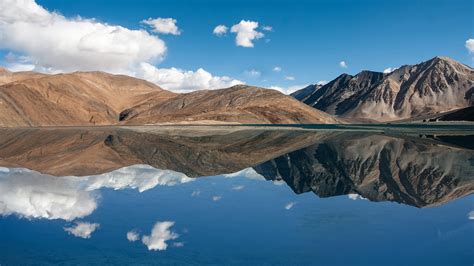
(437, 85)
(413, 171)
(96, 98)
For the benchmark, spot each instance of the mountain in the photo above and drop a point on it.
(97, 98)
(437, 85)
(407, 170)
(194, 151)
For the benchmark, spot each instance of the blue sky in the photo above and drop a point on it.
(308, 40)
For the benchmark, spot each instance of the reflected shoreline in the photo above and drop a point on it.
(415, 169)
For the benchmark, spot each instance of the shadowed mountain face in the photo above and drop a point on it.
(404, 168)
(438, 85)
(29, 99)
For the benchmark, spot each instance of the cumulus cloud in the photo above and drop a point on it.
(163, 25)
(216, 198)
(290, 205)
(220, 30)
(47, 41)
(179, 80)
(53, 41)
(246, 33)
(343, 64)
(140, 177)
(30, 194)
(82, 229)
(133, 236)
(470, 45)
(159, 235)
(277, 69)
(289, 78)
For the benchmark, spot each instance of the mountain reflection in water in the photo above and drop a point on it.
(235, 195)
(413, 169)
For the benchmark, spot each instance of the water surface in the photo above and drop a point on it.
(237, 195)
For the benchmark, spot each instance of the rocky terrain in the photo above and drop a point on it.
(437, 85)
(379, 168)
(95, 98)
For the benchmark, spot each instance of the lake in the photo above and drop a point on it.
(237, 195)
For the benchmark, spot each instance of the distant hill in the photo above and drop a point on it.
(97, 98)
(437, 85)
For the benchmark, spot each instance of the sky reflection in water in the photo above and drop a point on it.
(263, 214)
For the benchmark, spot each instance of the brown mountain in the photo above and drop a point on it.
(437, 85)
(97, 98)
(194, 151)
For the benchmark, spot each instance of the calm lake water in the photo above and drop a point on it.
(237, 196)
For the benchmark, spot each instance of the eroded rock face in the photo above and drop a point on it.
(438, 85)
(379, 168)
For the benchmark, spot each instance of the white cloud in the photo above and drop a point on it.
(140, 177)
(470, 45)
(322, 82)
(267, 28)
(277, 69)
(343, 64)
(289, 78)
(220, 30)
(290, 205)
(196, 193)
(248, 173)
(159, 235)
(133, 236)
(82, 229)
(253, 73)
(179, 80)
(389, 70)
(30, 194)
(238, 187)
(470, 215)
(55, 42)
(246, 33)
(287, 90)
(163, 25)
(354, 196)
(216, 198)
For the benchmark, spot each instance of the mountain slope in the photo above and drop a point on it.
(240, 103)
(437, 85)
(98, 98)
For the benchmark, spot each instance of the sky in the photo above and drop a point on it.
(190, 45)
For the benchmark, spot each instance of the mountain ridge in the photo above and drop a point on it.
(30, 99)
(437, 85)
